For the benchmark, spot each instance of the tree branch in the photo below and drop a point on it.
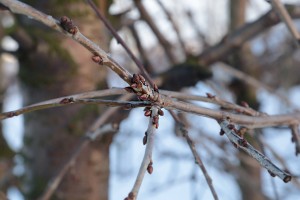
(286, 18)
(147, 160)
(120, 41)
(241, 35)
(241, 143)
(63, 101)
(198, 160)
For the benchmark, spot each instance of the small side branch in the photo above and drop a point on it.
(147, 160)
(120, 41)
(83, 98)
(286, 18)
(229, 130)
(196, 155)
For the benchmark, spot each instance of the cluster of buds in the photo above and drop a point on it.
(155, 119)
(67, 24)
(240, 132)
(140, 87)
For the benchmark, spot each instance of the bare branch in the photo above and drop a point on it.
(287, 19)
(213, 99)
(96, 131)
(63, 101)
(120, 41)
(161, 38)
(147, 160)
(196, 155)
(247, 121)
(174, 25)
(245, 146)
(241, 35)
(54, 183)
(66, 27)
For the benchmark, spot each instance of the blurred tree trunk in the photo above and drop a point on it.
(244, 61)
(52, 66)
(6, 153)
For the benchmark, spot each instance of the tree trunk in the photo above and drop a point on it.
(53, 66)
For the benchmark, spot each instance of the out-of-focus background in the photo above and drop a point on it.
(190, 46)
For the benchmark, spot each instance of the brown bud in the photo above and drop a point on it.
(144, 97)
(243, 142)
(271, 173)
(135, 78)
(245, 104)
(209, 95)
(134, 85)
(145, 140)
(66, 100)
(147, 113)
(230, 126)
(97, 59)
(141, 78)
(11, 114)
(130, 195)
(155, 87)
(147, 108)
(150, 168)
(222, 132)
(160, 112)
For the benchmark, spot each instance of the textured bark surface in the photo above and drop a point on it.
(52, 66)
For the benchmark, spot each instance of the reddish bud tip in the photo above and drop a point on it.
(161, 112)
(271, 173)
(230, 126)
(134, 85)
(245, 104)
(97, 59)
(147, 113)
(155, 87)
(150, 168)
(145, 140)
(222, 132)
(144, 97)
(209, 95)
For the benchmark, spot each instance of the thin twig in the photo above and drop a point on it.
(174, 25)
(54, 183)
(142, 51)
(147, 160)
(238, 37)
(102, 57)
(96, 131)
(120, 41)
(196, 155)
(73, 32)
(161, 38)
(245, 146)
(215, 100)
(73, 99)
(286, 18)
(247, 121)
